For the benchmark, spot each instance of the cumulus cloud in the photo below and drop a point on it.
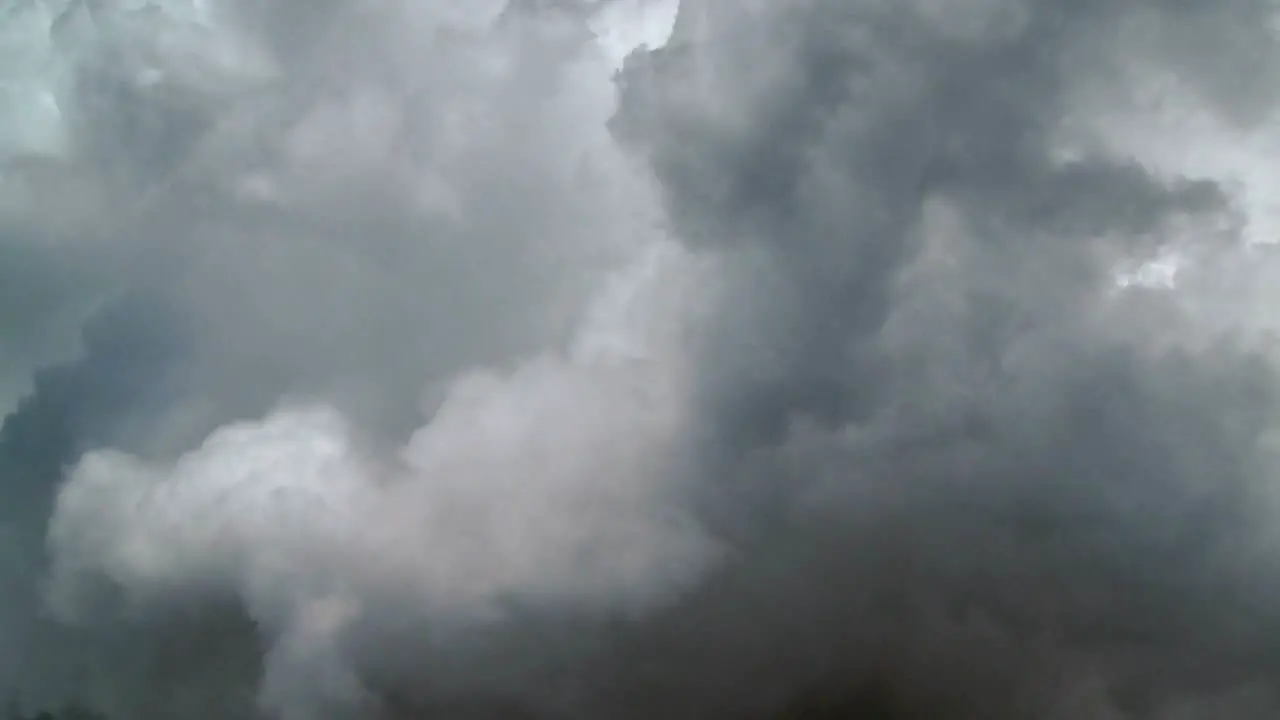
(439, 361)
(338, 207)
(327, 176)
(560, 483)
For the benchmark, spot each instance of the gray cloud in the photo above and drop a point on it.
(274, 204)
(989, 488)
(804, 387)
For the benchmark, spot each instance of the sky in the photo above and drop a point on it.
(611, 359)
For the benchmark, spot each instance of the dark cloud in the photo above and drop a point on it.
(884, 438)
(118, 385)
(985, 496)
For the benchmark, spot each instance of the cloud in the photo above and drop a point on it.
(794, 375)
(984, 481)
(313, 221)
(266, 228)
(557, 484)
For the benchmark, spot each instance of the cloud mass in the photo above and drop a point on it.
(511, 359)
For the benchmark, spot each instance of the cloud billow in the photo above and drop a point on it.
(440, 371)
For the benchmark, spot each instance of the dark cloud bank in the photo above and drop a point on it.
(430, 370)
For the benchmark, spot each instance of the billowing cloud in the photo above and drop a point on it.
(819, 363)
(560, 483)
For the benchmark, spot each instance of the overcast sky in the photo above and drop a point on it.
(503, 359)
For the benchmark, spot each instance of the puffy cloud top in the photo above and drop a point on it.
(834, 358)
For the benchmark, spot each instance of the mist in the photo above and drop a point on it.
(633, 359)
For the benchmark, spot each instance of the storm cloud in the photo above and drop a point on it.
(827, 359)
